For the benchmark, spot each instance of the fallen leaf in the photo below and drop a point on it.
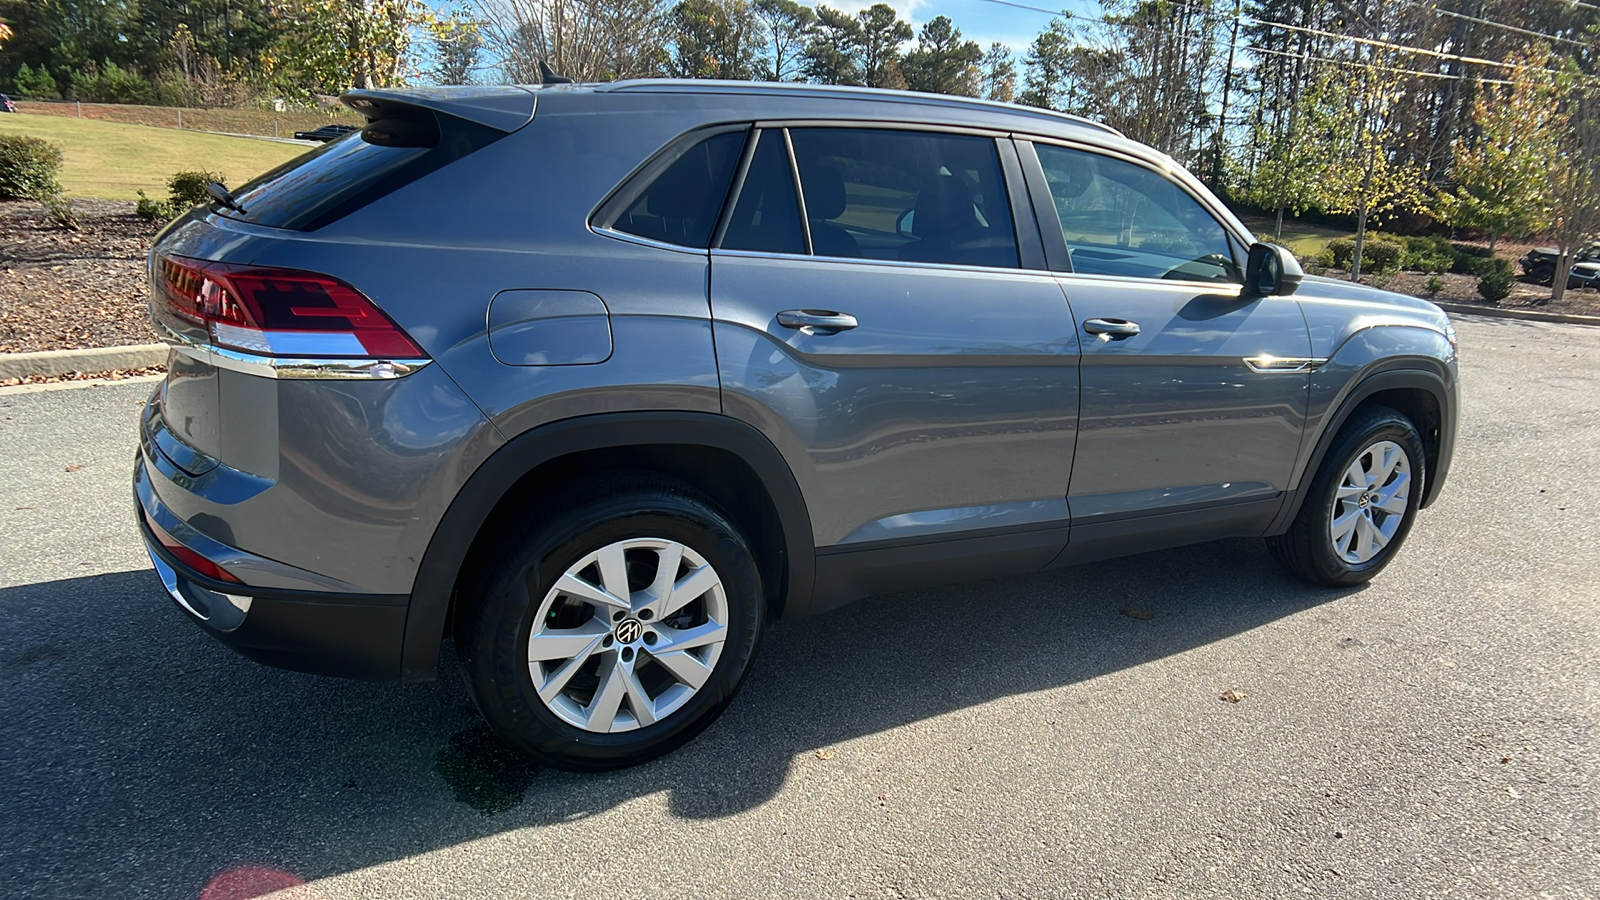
(1232, 696)
(1139, 614)
(826, 754)
(74, 468)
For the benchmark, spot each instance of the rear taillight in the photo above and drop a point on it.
(278, 312)
(186, 556)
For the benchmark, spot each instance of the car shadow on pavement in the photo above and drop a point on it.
(141, 758)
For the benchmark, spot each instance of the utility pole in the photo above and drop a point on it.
(1227, 89)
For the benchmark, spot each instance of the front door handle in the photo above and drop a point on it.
(1111, 329)
(817, 321)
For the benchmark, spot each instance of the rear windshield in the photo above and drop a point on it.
(344, 175)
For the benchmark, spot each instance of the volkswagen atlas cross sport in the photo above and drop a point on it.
(598, 380)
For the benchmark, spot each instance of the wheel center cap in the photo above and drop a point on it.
(629, 630)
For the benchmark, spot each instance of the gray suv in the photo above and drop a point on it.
(598, 380)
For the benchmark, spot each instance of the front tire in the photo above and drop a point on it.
(615, 629)
(1361, 503)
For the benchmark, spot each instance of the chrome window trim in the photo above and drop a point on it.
(894, 263)
(645, 242)
(1225, 288)
(799, 191)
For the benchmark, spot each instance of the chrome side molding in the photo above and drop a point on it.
(1267, 363)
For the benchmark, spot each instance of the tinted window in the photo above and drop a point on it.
(342, 176)
(906, 195)
(1123, 219)
(767, 216)
(682, 204)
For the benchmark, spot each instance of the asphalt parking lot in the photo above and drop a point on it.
(1433, 734)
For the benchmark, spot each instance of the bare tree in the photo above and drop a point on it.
(587, 40)
(1574, 176)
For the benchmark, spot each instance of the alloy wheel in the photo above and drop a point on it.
(1370, 502)
(628, 635)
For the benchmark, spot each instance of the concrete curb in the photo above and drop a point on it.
(1495, 312)
(90, 360)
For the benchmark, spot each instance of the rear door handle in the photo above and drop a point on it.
(817, 321)
(1111, 329)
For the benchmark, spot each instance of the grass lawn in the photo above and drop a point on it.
(110, 161)
(1305, 240)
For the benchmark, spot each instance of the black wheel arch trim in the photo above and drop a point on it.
(432, 591)
(1392, 379)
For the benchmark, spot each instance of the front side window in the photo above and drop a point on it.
(682, 204)
(1122, 219)
(904, 195)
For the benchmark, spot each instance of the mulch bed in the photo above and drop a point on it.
(1464, 289)
(64, 290)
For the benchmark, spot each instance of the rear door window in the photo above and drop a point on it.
(766, 217)
(682, 204)
(905, 195)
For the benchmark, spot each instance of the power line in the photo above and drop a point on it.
(1218, 41)
(1403, 48)
(1493, 24)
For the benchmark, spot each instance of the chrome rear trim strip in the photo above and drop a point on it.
(313, 369)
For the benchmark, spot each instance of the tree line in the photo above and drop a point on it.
(1397, 113)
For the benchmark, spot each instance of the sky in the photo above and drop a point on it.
(980, 20)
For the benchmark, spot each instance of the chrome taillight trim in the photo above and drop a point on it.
(298, 368)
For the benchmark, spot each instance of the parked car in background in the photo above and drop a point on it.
(6, 105)
(1539, 264)
(599, 380)
(325, 133)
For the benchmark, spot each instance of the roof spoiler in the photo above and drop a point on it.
(501, 107)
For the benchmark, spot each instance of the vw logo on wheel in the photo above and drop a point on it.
(629, 630)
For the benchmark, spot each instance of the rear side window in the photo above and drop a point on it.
(344, 175)
(682, 204)
(905, 195)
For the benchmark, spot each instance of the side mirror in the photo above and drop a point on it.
(1271, 271)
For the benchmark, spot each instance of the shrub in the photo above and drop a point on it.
(1496, 281)
(1428, 253)
(150, 209)
(28, 168)
(37, 83)
(1380, 253)
(60, 210)
(188, 189)
(1470, 260)
(1434, 285)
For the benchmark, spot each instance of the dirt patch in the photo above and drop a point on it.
(64, 290)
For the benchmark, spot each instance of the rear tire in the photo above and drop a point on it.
(614, 627)
(1361, 503)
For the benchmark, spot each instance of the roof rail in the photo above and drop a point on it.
(842, 92)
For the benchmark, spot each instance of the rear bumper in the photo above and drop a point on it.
(349, 635)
